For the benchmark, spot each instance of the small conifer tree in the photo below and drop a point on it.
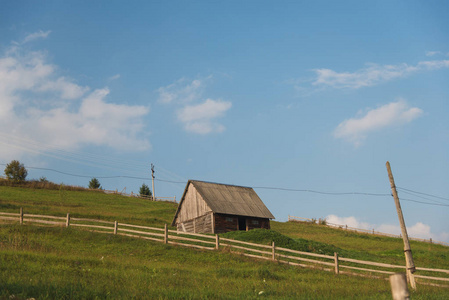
(94, 184)
(145, 190)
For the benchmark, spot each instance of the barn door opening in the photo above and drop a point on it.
(242, 223)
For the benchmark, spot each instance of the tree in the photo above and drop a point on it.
(94, 184)
(145, 190)
(15, 171)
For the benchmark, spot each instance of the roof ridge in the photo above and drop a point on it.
(225, 184)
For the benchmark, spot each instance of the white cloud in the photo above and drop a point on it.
(95, 122)
(200, 118)
(115, 77)
(433, 53)
(66, 88)
(418, 230)
(34, 106)
(37, 35)
(350, 221)
(197, 116)
(372, 75)
(181, 91)
(355, 130)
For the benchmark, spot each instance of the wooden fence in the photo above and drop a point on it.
(372, 231)
(169, 199)
(332, 263)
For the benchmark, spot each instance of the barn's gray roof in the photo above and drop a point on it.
(229, 199)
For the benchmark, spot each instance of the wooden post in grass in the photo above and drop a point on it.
(273, 252)
(165, 234)
(399, 287)
(217, 241)
(21, 216)
(115, 227)
(337, 269)
(410, 265)
(67, 222)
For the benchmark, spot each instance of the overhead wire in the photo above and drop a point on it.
(134, 166)
(320, 192)
(421, 193)
(131, 167)
(422, 197)
(422, 202)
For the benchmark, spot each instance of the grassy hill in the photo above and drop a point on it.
(48, 263)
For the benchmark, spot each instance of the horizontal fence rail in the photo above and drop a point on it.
(137, 195)
(214, 242)
(368, 231)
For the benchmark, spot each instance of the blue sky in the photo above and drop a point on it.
(310, 96)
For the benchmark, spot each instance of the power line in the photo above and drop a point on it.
(257, 187)
(100, 177)
(422, 202)
(430, 195)
(320, 192)
(422, 197)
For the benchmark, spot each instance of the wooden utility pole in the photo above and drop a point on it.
(152, 179)
(410, 265)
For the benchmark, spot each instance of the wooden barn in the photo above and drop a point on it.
(207, 207)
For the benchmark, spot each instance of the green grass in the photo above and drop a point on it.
(87, 204)
(59, 263)
(366, 246)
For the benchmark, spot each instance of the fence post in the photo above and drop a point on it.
(399, 287)
(21, 216)
(273, 254)
(165, 234)
(67, 223)
(217, 241)
(115, 227)
(337, 269)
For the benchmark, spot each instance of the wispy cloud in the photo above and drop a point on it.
(66, 88)
(115, 77)
(200, 118)
(372, 74)
(37, 103)
(197, 115)
(356, 129)
(36, 35)
(418, 230)
(433, 53)
(182, 91)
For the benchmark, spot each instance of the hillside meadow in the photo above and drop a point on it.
(68, 263)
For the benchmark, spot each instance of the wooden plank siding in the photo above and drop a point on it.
(201, 224)
(207, 207)
(194, 207)
(226, 223)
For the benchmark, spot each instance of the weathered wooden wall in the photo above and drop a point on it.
(225, 223)
(193, 206)
(201, 224)
(252, 223)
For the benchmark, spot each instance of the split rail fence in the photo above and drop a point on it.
(346, 227)
(169, 199)
(332, 263)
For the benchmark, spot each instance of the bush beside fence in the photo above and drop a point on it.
(333, 263)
